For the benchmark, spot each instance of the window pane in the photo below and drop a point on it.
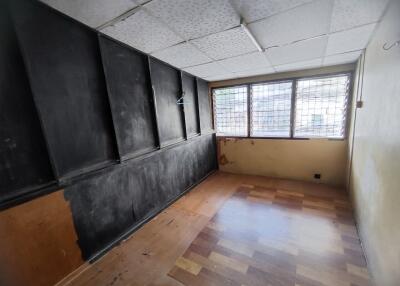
(270, 109)
(230, 111)
(321, 107)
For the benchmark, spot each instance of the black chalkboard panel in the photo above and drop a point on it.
(107, 205)
(204, 106)
(130, 96)
(166, 85)
(190, 105)
(24, 162)
(64, 65)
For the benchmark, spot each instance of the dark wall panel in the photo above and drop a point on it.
(190, 105)
(130, 97)
(24, 163)
(166, 84)
(106, 206)
(204, 106)
(64, 64)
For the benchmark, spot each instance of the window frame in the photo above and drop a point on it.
(294, 81)
(247, 96)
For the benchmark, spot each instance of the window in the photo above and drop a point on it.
(270, 109)
(230, 111)
(321, 107)
(314, 107)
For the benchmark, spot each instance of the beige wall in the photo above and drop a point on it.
(293, 159)
(289, 159)
(375, 169)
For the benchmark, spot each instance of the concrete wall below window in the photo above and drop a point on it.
(290, 159)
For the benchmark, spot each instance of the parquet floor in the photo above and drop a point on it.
(268, 236)
(241, 230)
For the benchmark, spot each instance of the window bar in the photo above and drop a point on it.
(293, 108)
(271, 109)
(248, 112)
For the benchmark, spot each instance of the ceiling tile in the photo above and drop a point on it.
(195, 18)
(141, 1)
(142, 32)
(253, 10)
(350, 40)
(299, 65)
(207, 70)
(226, 44)
(348, 14)
(303, 22)
(255, 72)
(256, 60)
(221, 77)
(342, 58)
(300, 51)
(92, 12)
(182, 55)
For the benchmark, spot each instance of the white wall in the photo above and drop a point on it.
(375, 170)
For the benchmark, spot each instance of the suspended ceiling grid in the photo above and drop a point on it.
(204, 37)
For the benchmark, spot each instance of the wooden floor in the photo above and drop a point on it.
(241, 230)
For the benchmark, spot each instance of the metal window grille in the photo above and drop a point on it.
(230, 111)
(321, 106)
(270, 109)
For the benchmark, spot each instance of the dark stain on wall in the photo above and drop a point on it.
(166, 86)
(204, 106)
(190, 105)
(112, 136)
(65, 71)
(128, 81)
(106, 206)
(24, 162)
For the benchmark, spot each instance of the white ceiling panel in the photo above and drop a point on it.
(225, 44)
(255, 72)
(342, 58)
(350, 40)
(297, 52)
(203, 37)
(253, 10)
(256, 60)
(303, 22)
(195, 18)
(207, 70)
(141, 1)
(92, 12)
(143, 32)
(182, 55)
(299, 65)
(221, 77)
(348, 14)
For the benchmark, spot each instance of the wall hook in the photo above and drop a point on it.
(387, 48)
(180, 100)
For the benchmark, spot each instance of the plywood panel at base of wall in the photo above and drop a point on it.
(38, 242)
(289, 159)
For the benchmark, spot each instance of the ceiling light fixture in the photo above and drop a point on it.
(250, 35)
